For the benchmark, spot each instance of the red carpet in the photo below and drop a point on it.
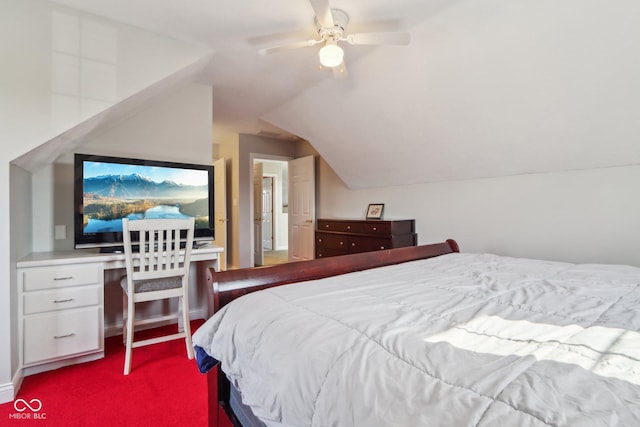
(164, 389)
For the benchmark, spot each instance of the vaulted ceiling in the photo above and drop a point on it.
(485, 88)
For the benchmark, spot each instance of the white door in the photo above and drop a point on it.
(220, 219)
(302, 208)
(267, 212)
(258, 253)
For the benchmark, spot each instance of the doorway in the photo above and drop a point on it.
(270, 211)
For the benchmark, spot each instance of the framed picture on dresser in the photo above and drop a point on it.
(374, 211)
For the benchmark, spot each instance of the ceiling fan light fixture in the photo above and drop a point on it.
(331, 55)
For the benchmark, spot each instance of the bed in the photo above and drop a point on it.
(425, 336)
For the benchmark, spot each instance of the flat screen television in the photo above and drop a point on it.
(107, 189)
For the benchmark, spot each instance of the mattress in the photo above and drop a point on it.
(457, 340)
(243, 412)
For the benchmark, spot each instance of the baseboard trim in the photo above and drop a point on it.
(6, 392)
(49, 366)
(9, 391)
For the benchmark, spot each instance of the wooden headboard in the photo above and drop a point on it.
(228, 285)
(231, 284)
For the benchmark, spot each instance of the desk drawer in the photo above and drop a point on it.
(61, 276)
(62, 334)
(60, 299)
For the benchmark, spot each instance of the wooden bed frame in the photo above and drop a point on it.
(231, 284)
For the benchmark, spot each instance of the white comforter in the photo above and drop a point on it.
(457, 340)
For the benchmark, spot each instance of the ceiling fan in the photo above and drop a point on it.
(331, 25)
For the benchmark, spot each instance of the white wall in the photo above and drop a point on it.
(61, 67)
(586, 216)
(176, 127)
(56, 74)
(15, 225)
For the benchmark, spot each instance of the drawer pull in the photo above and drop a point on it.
(341, 243)
(348, 227)
(63, 278)
(353, 244)
(64, 336)
(320, 240)
(381, 247)
(59, 301)
(375, 228)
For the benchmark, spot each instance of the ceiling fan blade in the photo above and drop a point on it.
(288, 46)
(340, 72)
(323, 12)
(378, 38)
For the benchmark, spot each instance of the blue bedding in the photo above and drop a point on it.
(204, 361)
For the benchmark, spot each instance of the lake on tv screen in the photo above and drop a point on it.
(115, 225)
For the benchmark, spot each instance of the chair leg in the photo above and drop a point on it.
(180, 315)
(129, 343)
(124, 317)
(187, 326)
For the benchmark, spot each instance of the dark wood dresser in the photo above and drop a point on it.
(348, 236)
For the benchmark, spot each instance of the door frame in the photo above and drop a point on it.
(256, 209)
(252, 158)
(221, 212)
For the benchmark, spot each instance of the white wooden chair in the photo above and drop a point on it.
(157, 268)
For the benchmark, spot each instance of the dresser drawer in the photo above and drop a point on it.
(343, 236)
(365, 244)
(340, 226)
(376, 228)
(324, 252)
(332, 241)
(60, 276)
(60, 299)
(62, 334)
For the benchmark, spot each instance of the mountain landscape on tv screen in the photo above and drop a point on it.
(109, 198)
(136, 186)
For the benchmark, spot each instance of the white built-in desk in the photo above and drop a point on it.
(61, 304)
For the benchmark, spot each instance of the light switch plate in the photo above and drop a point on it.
(61, 232)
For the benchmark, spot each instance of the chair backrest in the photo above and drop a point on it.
(157, 241)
